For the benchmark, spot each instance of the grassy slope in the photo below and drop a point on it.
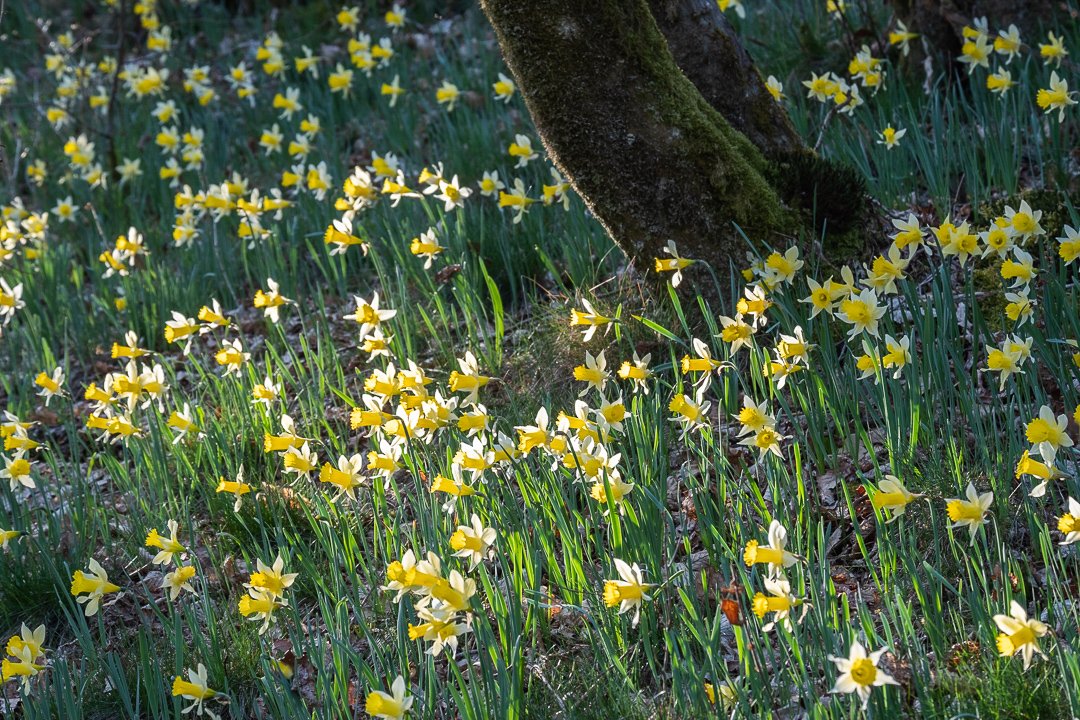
(910, 585)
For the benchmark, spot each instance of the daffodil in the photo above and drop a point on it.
(346, 477)
(1047, 434)
(821, 87)
(454, 487)
(1019, 634)
(703, 362)
(1053, 50)
(1069, 522)
(301, 461)
(452, 194)
(999, 239)
(441, 629)
(674, 264)
(516, 199)
(629, 591)
(1008, 43)
(779, 601)
(178, 580)
(614, 489)
(447, 94)
(340, 81)
(975, 52)
(490, 184)
(339, 237)
(167, 546)
(774, 554)
(819, 298)
(238, 488)
(369, 315)
(902, 36)
(862, 312)
(737, 332)
(890, 137)
(725, 691)
(1020, 307)
(692, 413)
(21, 665)
(7, 536)
(735, 5)
(16, 471)
(781, 268)
(637, 371)
(775, 88)
(522, 149)
(1000, 82)
(90, 587)
(892, 498)
(467, 378)
(389, 706)
(271, 579)
(766, 440)
(473, 541)
(195, 688)
(590, 319)
(1069, 248)
(859, 672)
(50, 385)
(970, 512)
(1024, 221)
(1056, 97)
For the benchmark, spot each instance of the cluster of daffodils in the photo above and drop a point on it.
(405, 409)
(171, 552)
(864, 70)
(271, 76)
(443, 605)
(777, 600)
(17, 457)
(860, 302)
(980, 49)
(24, 656)
(266, 592)
(140, 386)
(1048, 435)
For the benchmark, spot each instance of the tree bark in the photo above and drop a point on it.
(707, 50)
(651, 157)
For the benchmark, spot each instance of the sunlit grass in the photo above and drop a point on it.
(542, 639)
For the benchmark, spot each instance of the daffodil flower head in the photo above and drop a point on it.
(389, 706)
(629, 591)
(970, 512)
(1019, 634)
(1069, 522)
(774, 554)
(892, 498)
(90, 587)
(859, 672)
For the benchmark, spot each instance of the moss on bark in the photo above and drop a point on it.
(708, 51)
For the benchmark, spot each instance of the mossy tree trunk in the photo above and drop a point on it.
(940, 21)
(652, 158)
(707, 50)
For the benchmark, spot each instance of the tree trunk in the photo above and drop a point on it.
(707, 50)
(651, 157)
(940, 21)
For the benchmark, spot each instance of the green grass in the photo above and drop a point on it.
(542, 642)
